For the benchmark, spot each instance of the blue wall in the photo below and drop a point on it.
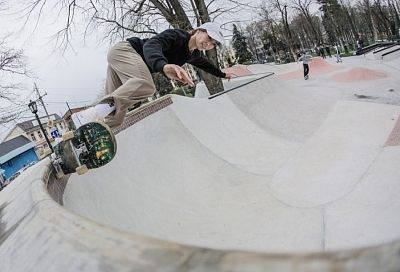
(15, 164)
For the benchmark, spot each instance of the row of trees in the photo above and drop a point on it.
(292, 25)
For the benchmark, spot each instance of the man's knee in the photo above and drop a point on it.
(141, 88)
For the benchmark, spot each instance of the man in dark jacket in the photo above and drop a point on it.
(131, 62)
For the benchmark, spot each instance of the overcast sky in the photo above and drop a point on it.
(76, 77)
(70, 76)
(73, 77)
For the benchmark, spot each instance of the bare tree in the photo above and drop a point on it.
(365, 7)
(120, 18)
(269, 35)
(12, 63)
(350, 18)
(303, 6)
(281, 7)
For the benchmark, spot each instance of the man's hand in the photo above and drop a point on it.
(175, 72)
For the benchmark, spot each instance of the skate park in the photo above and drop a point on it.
(279, 174)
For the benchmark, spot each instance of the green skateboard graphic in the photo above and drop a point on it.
(92, 145)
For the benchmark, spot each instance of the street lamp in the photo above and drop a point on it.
(33, 107)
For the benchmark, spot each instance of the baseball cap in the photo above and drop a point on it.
(214, 31)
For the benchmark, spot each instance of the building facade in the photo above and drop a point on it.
(68, 116)
(31, 130)
(15, 154)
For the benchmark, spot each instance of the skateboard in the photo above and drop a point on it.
(92, 145)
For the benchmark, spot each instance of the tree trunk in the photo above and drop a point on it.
(214, 84)
(288, 32)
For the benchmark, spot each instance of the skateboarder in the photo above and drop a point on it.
(305, 58)
(131, 62)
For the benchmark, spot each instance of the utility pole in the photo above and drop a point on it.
(69, 109)
(40, 98)
(70, 123)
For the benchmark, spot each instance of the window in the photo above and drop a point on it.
(33, 137)
(40, 134)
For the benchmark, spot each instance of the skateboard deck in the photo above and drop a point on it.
(92, 145)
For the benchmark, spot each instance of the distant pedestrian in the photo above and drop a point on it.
(338, 58)
(306, 59)
(316, 48)
(328, 51)
(322, 52)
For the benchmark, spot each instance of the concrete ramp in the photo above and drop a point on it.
(217, 174)
(166, 176)
(272, 176)
(278, 107)
(334, 160)
(231, 135)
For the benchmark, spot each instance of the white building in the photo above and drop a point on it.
(31, 130)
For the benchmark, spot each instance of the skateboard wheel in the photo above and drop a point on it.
(47, 152)
(80, 170)
(67, 136)
(59, 175)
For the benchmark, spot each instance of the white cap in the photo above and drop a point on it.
(214, 31)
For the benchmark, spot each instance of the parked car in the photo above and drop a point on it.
(8, 181)
(30, 164)
(15, 175)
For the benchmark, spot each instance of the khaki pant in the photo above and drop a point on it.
(128, 81)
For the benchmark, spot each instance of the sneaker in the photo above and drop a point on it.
(86, 116)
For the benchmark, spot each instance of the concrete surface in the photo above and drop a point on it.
(280, 175)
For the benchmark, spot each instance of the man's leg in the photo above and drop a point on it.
(136, 82)
(112, 80)
(101, 110)
(128, 82)
(306, 70)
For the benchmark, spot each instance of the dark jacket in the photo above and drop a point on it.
(171, 47)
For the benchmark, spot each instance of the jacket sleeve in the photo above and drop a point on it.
(154, 47)
(204, 64)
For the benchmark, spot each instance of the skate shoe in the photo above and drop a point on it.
(86, 116)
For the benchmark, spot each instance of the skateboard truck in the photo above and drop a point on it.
(57, 160)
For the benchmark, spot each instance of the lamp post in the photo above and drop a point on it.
(33, 107)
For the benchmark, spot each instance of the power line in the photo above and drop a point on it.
(74, 102)
(69, 88)
(13, 111)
